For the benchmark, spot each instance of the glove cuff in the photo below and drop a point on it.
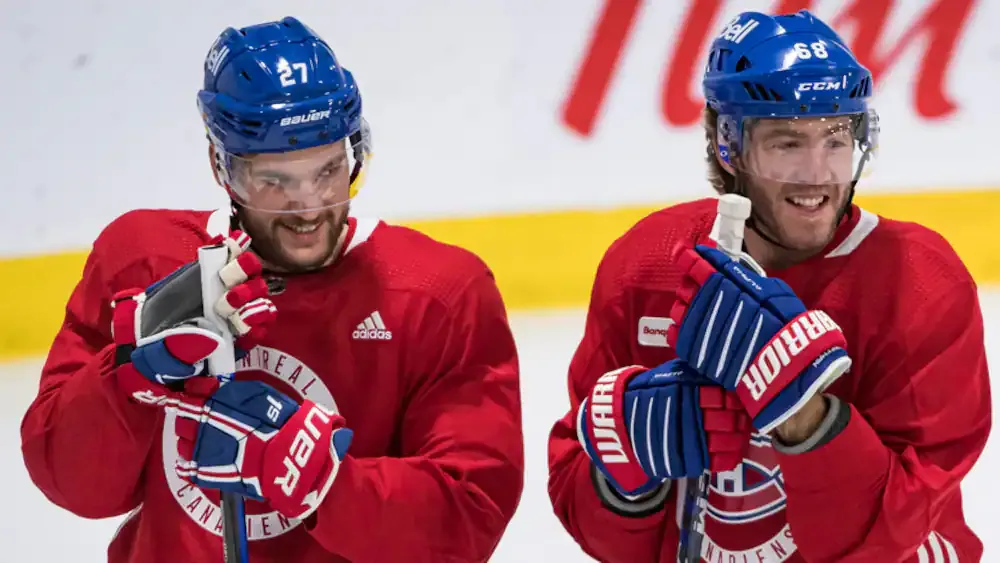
(838, 415)
(638, 506)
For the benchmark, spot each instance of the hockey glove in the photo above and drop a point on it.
(753, 335)
(640, 427)
(248, 438)
(161, 335)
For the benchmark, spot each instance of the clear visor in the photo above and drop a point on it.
(299, 181)
(809, 150)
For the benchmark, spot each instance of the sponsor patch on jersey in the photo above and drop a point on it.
(653, 331)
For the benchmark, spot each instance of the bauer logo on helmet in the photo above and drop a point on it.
(305, 118)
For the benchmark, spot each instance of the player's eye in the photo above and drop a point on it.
(268, 183)
(787, 145)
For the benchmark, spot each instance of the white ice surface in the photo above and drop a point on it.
(34, 530)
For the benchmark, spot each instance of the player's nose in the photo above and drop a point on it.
(816, 169)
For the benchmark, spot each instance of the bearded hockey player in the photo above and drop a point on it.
(833, 379)
(375, 411)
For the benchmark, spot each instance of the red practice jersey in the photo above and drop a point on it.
(884, 489)
(406, 337)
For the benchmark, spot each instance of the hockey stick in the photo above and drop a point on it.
(732, 214)
(222, 365)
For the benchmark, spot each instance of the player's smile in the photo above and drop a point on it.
(811, 205)
(298, 235)
(808, 203)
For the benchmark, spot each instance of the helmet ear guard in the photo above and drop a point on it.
(360, 146)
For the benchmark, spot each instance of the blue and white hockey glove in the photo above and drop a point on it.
(640, 427)
(248, 438)
(752, 334)
(160, 333)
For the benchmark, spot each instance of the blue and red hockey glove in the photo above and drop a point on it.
(641, 427)
(246, 437)
(753, 335)
(160, 333)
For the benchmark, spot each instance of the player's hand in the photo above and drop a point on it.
(160, 333)
(752, 334)
(248, 438)
(640, 427)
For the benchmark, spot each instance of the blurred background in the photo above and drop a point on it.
(533, 132)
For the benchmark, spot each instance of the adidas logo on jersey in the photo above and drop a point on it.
(372, 329)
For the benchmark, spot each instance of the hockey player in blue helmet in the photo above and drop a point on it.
(288, 140)
(837, 401)
(789, 125)
(375, 410)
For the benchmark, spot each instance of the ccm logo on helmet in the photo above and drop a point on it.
(306, 118)
(822, 86)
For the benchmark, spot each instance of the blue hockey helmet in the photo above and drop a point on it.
(797, 75)
(275, 94)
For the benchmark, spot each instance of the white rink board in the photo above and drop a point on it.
(465, 101)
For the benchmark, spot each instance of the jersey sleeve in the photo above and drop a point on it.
(453, 489)
(887, 483)
(83, 442)
(600, 522)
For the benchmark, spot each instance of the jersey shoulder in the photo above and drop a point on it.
(405, 259)
(916, 255)
(639, 258)
(169, 236)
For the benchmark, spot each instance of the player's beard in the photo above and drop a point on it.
(782, 225)
(277, 245)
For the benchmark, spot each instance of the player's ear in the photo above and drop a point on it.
(213, 163)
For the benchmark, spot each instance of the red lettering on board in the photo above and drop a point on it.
(941, 26)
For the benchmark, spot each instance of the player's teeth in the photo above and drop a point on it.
(305, 228)
(807, 201)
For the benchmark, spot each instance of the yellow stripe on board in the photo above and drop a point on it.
(544, 259)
